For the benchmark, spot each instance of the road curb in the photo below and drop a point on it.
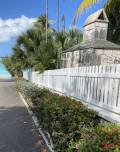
(49, 146)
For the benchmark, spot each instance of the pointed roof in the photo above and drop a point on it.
(99, 16)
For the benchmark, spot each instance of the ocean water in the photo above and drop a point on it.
(3, 72)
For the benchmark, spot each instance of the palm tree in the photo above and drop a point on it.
(32, 51)
(63, 22)
(61, 38)
(37, 53)
(46, 21)
(8, 64)
(82, 7)
(41, 22)
(74, 37)
(58, 14)
(69, 38)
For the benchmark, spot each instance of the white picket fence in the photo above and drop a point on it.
(97, 85)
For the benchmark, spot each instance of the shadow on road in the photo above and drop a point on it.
(17, 131)
(7, 80)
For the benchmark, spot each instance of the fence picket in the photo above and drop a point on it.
(97, 84)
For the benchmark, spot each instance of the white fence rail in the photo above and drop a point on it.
(96, 85)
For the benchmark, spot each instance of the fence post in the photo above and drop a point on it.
(48, 79)
(68, 82)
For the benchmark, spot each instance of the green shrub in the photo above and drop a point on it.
(64, 119)
(69, 122)
(106, 139)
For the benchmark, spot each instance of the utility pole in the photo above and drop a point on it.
(46, 21)
(58, 14)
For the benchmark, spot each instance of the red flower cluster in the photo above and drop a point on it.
(106, 146)
(109, 135)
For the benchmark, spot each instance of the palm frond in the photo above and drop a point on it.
(82, 7)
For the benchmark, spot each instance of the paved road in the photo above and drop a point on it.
(17, 130)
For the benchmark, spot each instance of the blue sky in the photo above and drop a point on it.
(16, 16)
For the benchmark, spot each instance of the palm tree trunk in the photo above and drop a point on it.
(58, 17)
(58, 14)
(46, 21)
(63, 23)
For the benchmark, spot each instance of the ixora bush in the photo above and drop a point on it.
(106, 138)
(71, 125)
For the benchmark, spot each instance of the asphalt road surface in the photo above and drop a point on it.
(17, 130)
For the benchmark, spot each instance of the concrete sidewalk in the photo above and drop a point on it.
(17, 130)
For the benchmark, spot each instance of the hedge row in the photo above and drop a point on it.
(72, 126)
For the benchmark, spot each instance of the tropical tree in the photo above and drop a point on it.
(46, 21)
(8, 64)
(63, 23)
(69, 38)
(13, 68)
(74, 37)
(58, 14)
(113, 12)
(66, 40)
(32, 45)
(61, 38)
(32, 52)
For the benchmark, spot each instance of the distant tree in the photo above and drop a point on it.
(113, 12)
(12, 67)
(8, 64)
(75, 36)
(61, 38)
(69, 38)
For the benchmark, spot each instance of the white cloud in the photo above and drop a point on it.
(14, 27)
